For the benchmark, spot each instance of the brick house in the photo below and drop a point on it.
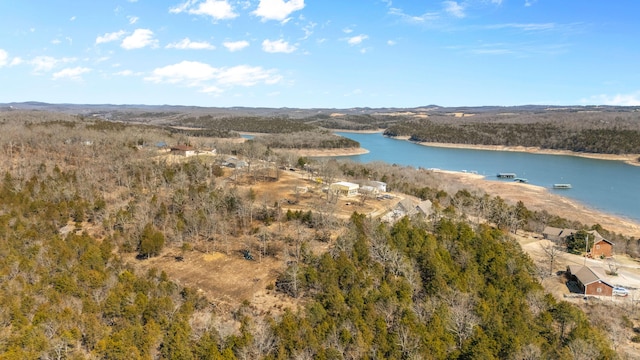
(589, 281)
(601, 246)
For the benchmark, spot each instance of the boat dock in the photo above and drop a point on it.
(562, 186)
(506, 175)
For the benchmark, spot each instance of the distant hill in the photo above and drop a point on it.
(90, 109)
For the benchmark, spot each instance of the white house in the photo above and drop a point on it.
(378, 185)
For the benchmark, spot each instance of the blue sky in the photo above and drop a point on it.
(320, 53)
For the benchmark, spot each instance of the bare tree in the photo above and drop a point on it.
(582, 350)
(462, 318)
(528, 352)
(553, 252)
(409, 343)
(613, 266)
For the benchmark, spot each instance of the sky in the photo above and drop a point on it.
(320, 53)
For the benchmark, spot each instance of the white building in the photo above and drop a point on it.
(344, 188)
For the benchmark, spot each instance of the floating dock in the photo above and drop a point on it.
(562, 186)
(506, 175)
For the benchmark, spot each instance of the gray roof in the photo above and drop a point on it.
(586, 275)
(555, 233)
(425, 207)
(598, 237)
(407, 205)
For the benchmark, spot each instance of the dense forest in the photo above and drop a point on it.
(318, 139)
(78, 196)
(607, 133)
(267, 125)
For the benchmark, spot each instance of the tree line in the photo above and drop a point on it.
(605, 133)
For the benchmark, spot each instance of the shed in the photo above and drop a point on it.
(344, 188)
(590, 282)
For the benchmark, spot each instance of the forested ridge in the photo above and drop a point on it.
(606, 133)
(78, 195)
(254, 124)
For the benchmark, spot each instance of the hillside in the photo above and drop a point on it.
(113, 248)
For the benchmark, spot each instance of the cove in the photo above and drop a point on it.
(610, 186)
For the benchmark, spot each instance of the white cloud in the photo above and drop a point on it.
(235, 45)
(217, 9)
(356, 40)
(413, 19)
(71, 73)
(124, 73)
(139, 39)
(278, 10)
(133, 19)
(47, 63)
(56, 41)
(308, 30)
(245, 75)
(73, 18)
(524, 26)
(190, 73)
(4, 58)
(391, 42)
(528, 3)
(347, 30)
(16, 61)
(632, 99)
(277, 46)
(211, 79)
(187, 44)
(454, 9)
(211, 89)
(108, 37)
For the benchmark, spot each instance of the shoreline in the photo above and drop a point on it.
(360, 131)
(631, 159)
(330, 152)
(539, 198)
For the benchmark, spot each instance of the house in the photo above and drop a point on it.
(234, 162)
(425, 208)
(589, 281)
(601, 246)
(378, 185)
(556, 234)
(344, 188)
(183, 150)
(366, 189)
(405, 207)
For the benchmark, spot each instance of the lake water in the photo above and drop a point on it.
(609, 186)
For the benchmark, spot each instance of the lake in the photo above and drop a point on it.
(609, 186)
